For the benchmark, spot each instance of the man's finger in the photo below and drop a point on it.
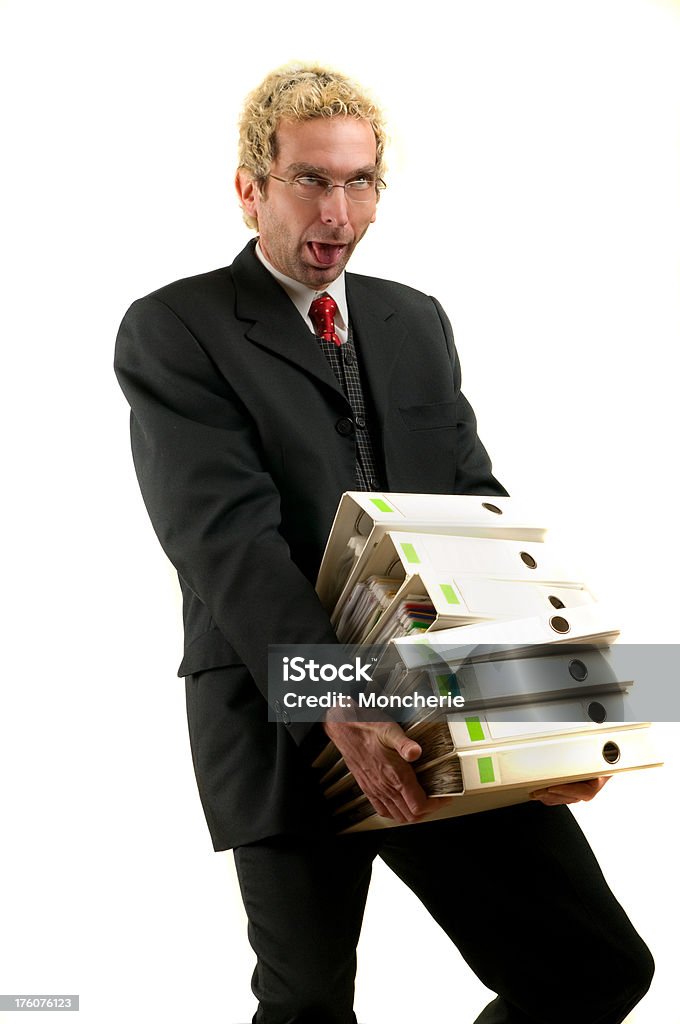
(571, 792)
(394, 737)
(379, 807)
(394, 811)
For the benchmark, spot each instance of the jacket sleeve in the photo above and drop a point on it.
(473, 469)
(212, 503)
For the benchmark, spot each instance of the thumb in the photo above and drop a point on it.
(394, 737)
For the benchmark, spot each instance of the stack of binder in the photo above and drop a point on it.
(453, 580)
(475, 604)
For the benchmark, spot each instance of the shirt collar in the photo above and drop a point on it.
(302, 296)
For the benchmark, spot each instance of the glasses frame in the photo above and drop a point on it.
(379, 185)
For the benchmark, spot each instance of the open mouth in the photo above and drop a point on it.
(326, 254)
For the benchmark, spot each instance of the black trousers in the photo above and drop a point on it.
(517, 890)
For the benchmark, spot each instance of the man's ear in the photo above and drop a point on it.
(247, 191)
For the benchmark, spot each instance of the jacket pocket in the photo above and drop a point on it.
(429, 417)
(209, 650)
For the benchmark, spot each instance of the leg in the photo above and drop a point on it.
(305, 901)
(520, 893)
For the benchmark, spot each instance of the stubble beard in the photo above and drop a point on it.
(287, 257)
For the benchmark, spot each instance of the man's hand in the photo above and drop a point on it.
(570, 792)
(378, 754)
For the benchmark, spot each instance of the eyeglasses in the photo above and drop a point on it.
(311, 187)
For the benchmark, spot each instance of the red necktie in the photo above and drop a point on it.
(322, 314)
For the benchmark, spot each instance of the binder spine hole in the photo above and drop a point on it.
(363, 524)
(577, 670)
(596, 711)
(492, 508)
(611, 753)
(559, 624)
(555, 601)
(528, 559)
(395, 570)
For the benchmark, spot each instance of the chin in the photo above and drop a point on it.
(317, 278)
(326, 275)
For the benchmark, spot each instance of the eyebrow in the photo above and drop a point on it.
(323, 172)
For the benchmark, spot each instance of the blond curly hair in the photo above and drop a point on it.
(299, 92)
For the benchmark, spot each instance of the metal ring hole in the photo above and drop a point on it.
(611, 753)
(596, 711)
(559, 624)
(577, 670)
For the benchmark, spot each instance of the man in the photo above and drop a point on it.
(259, 393)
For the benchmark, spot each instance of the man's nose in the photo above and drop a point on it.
(334, 207)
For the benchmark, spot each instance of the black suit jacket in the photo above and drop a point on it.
(241, 465)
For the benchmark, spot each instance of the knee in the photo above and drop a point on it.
(626, 984)
(638, 973)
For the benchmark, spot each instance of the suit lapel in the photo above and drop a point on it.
(275, 322)
(380, 334)
(276, 325)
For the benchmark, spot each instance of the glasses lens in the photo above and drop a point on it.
(310, 187)
(361, 191)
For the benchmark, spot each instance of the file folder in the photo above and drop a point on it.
(510, 682)
(505, 625)
(451, 601)
(507, 773)
(566, 756)
(442, 561)
(592, 713)
(362, 518)
(476, 730)
(584, 627)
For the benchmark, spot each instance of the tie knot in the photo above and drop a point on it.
(322, 314)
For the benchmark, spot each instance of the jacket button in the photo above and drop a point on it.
(360, 422)
(345, 427)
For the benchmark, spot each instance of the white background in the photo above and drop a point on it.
(533, 187)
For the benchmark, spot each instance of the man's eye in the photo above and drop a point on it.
(311, 181)
(362, 184)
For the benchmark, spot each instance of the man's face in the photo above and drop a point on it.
(311, 241)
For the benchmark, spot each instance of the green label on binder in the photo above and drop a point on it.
(448, 684)
(410, 554)
(449, 593)
(485, 765)
(381, 505)
(474, 728)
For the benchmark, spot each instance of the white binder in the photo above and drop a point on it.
(441, 562)
(566, 757)
(589, 625)
(592, 713)
(363, 517)
(521, 682)
(459, 600)
(508, 773)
